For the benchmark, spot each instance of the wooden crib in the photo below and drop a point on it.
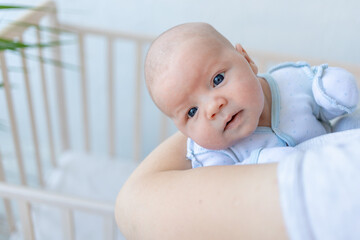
(38, 117)
(70, 112)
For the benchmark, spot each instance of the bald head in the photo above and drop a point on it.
(167, 45)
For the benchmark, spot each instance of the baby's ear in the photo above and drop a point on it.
(242, 51)
(239, 48)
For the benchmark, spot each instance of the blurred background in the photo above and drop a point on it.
(327, 30)
(311, 28)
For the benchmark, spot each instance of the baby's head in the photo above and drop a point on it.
(205, 85)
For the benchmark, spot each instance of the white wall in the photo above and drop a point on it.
(328, 30)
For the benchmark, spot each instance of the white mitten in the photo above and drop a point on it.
(335, 91)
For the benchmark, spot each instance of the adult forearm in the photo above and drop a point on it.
(164, 200)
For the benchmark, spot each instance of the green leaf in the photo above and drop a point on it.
(22, 7)
(6, 44)
(14, 7)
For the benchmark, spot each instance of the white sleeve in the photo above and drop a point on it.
(335, 91)
(319, 188)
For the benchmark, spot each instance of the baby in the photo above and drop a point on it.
(215, 96)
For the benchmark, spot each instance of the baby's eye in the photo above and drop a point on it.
(192, 112)
(218, 79)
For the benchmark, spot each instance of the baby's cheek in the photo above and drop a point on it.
(203, 136)
(212, 141)
(206, 136)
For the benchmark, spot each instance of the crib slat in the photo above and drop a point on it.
(59, 78)
(111, 102)
(32, 117)
(26, 220)
(14, 128)
(8, 209)
(138, 102)
(9, 216)
(84, 90)
(46, 100)
(68, 224)
(109, 228)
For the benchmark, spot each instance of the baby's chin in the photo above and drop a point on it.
(214, 145)
(222, 143)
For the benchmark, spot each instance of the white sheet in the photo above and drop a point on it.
(86, 176)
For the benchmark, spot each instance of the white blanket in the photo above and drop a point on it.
(319, 188)
(334, 139)
(80, 175)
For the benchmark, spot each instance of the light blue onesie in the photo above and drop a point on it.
(304, 99)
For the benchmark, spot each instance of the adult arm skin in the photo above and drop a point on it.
(166, 199)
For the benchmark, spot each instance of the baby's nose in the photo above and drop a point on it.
(214, 107)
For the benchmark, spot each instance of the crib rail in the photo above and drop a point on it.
(25, 197)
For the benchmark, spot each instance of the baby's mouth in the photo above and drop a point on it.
(232, 120)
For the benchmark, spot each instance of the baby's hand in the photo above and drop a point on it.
(335, 91)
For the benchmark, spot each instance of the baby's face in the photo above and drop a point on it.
(212, 94)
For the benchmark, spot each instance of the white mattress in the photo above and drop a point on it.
(86, 176)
